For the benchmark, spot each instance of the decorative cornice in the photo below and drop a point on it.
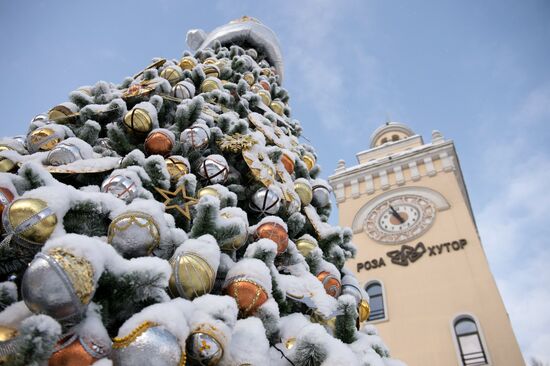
(398, 159)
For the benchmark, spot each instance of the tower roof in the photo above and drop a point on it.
(390, 131)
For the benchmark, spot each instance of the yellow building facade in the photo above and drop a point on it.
(420, 258)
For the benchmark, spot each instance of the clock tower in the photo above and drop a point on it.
(419, 255)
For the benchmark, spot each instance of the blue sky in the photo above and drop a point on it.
(475, 70)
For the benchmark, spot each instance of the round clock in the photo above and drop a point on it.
(400, 219)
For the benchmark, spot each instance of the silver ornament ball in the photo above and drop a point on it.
(47, 289)
(265, 201)
(121, 187)
(183, 90)
(42, 117)
(63, 153)
(134, 234)
(195, 137)
(214, 169)
(155, 346)
(321, 196)
(203, 349)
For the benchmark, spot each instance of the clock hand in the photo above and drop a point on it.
(396, 214)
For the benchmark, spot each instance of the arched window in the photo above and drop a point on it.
(470, 345)
(384, 140)
(376, 301)
(395, 138)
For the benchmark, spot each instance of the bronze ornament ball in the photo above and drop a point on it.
(275, 232)
(159, 142)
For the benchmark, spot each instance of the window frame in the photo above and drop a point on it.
(458, 349)
(384, 301)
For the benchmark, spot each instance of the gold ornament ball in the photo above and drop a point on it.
(363, 310)
(210, 61)
(23, 209)
(236, 240)
(288, 163)
(275, 232)
(177, 167)
(138, 121)
(290, 343)
(266, 72)
(41, 139)
(249, 77)
(6, 165)
(61, 114)
(211, 71)
(278, 107)
(6, 334)
(208, 191)
(210, 84)
(304, 191)
(331, 284)
(305, 246)
(248, 294)
(172, 74)
(158, 143)
(266, 96)
(255, 88)
(192, 276)
(188, 63)
(309, 160)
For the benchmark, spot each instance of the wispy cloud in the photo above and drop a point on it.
(514, 224)
(332, 68)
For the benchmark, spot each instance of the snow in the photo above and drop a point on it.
(89, 165)
(103, 362)
(13, 144)
(249, 334)
(41, 323)
(14, 314)
(223, 308)
(366, 344)
(264, 245)
(6, 181)
(338, 353)
(9, 288)
(92, 327)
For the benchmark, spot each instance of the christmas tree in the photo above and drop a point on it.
(177, 219)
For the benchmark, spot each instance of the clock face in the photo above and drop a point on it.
(400, 219)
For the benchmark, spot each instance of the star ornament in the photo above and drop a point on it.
(173, 200)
